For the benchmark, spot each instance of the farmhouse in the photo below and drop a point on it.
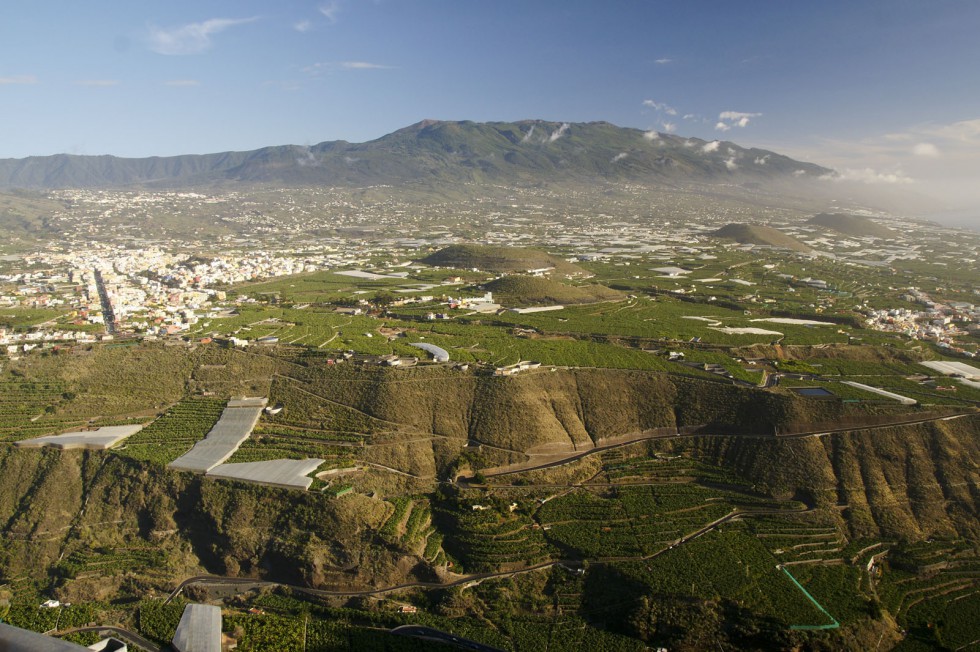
(439, 354)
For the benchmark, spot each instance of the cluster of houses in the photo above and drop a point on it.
(936, 322)
(517, 368)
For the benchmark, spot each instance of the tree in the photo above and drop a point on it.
(383, 298)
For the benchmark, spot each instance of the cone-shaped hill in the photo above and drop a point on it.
(851, 225)
(500, 259)
(521, 290)
(758, 234)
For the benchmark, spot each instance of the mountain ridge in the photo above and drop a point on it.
(430, 150)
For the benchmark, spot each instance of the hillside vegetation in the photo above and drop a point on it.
(499, 259)
(520, 290)
(851, 225)
(106, 529)
(757, 234)
(430, 151)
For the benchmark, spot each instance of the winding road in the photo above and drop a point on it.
(131, 638)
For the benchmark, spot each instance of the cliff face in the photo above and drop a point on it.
(910, 481)
(59, 508)
(905, 482)
(62, 506)
(536, 408)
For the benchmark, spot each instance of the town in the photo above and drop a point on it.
(153, 288)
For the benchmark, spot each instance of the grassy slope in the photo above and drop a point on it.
(518, 290)
(851, 225)
(498, 259)
(759, 235)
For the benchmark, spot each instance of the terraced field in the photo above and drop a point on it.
(28, 409)
(175, 432)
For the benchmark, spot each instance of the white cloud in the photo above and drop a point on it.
(559, 132)
(660, 106)
(941, 160)
(737, 115)
(327, 66)
(305, 157)
(651, 135)
(689, 116)
(619, 157)
(711, 147)
(669, 127)
(663, 61)
(964, 132)
(303, 26)
(898, 137)
(182, 82)
(283, 84)
(729, 119)
(18, 79)
(762, 160)
(730, 163)
(317, 68)
(97, 82)
(926, 149)
(363, 65)
(330, 11)
(193, 38)
(865, 175)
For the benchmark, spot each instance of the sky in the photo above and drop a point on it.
(887, 92)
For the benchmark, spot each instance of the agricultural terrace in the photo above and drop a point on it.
(174, 432)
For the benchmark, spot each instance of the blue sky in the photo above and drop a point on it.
(887, 91)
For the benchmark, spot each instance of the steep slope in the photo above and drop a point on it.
(534, 409)
(908, 482)
(432, 151)
(58, 503)
(905, 482)
(758, 234)
(25, 215)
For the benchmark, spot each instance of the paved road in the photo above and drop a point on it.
(108, 315)
(128, 637)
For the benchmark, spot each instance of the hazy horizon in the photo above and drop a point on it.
(874, 90)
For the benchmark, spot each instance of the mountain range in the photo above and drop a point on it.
(530, 151)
